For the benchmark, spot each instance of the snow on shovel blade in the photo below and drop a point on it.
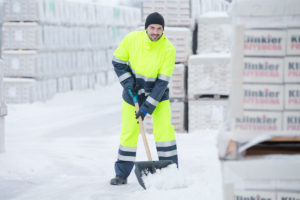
(143, 168)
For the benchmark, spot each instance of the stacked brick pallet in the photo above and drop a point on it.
(177, 15)
(54, 46)
(200, 7)
(266, 87)
(265, 103)
(209, 73)
(3, 110)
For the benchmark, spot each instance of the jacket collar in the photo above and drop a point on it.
(152, 44)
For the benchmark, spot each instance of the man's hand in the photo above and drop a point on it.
(132, 92)
(141, 114)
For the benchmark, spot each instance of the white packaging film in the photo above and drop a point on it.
(2, 136)
(258, 121)
(263, 70)
(264, 42)
(181, 39)
(269, 69)
(293, 42)
(292, 97)
(177, 13)
(21, 36)
(176, 83)
(3, 107)
(262, 97)
(24, 90)
(254, 195)
(54, 39)
(207, 114)
(209, 74)
(291, 121)
(292, 70)
(214, 34)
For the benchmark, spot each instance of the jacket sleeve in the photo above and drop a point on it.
(120, 63)
(161, 83)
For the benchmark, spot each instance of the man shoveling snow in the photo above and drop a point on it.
(144, 63)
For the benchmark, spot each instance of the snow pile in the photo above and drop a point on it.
(166, 178)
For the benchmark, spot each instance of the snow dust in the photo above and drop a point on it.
(166, 178)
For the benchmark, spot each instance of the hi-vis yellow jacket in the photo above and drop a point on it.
(146, 64)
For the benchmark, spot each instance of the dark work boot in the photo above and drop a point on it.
(118, 181)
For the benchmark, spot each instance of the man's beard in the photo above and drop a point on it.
(157, 36)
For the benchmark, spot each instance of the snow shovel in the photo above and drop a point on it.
(143, 168)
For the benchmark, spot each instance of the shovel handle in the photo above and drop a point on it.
(137, 108)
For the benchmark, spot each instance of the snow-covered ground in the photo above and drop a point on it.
(65, 148)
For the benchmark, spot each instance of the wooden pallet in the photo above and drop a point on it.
(285, 139)
(209, 96)
(275, 145)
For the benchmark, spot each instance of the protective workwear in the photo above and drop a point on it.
(148, 65)
(163, 132)
(141, 114)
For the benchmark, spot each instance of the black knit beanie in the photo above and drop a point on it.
(155, 18)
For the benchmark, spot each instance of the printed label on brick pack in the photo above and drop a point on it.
(264, 42)
(263, 97)
(288, 196)
(293, 43)
(258, 121)
(254, 195)
(291, 121)
(292, 96)
(292, 70)
(263, 70)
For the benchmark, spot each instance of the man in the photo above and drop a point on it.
(144, 63)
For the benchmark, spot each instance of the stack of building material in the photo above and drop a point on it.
(21, 43)
(208, 75)
(181, 39)
(266, 82)
(201, 7)
(265, 102)
(28, 90)
(214, 33)
(66, 41)
(3, 108)
(177, 83)
(176, 12)
(207, 114)
(209, 72)
(177, 15)
(272, 179)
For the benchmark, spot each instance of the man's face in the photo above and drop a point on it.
(154, 31)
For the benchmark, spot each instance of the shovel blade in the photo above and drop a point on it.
(143, 168)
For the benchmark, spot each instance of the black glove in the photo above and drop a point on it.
(141, 113)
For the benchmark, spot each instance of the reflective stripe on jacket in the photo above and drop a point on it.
(147, 64)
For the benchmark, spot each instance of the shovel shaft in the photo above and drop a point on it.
(142, 130)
